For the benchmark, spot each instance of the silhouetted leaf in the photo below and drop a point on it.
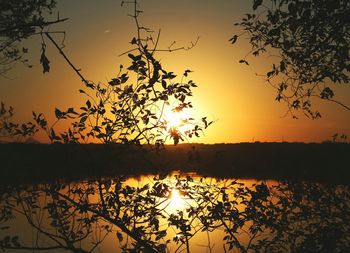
(44, 62)
(233, 39)
(282, 66)
(270, 73)
(243, 61)
(83, 119)
(119, 236)
(186, 72)
(327, 93)
(164, 84)
(133, 41)
(58, 113)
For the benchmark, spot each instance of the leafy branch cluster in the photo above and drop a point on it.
(311, 40)
(10, 129)
(339, 138)
(292, 217)
(130, 107)
(126, 112)
(20, 20)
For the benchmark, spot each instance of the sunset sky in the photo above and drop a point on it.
(240, 102)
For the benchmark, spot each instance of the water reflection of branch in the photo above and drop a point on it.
(282, 216)
(27, 206)
(116, 222)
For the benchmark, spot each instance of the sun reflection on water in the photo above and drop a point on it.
(179, 210)
(176, 201)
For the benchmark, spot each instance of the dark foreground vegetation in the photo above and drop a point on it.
(31, 163)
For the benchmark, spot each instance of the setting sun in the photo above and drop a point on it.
(177, 119)
(178, 123)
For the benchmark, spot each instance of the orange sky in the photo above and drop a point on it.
(240, 102)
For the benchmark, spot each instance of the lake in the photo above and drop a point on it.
(176, 212)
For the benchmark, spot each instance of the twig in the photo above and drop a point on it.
(77, 71)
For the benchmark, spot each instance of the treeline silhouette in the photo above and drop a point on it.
(31, 163)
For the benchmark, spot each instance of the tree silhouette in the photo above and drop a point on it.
(121, 111)
(311, 40)
(20, 20)
(10, 129)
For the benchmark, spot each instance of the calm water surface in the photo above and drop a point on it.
(175, 213)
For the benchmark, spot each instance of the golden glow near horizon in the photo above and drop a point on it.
(174, 119)
(240, 102)
(179, 119)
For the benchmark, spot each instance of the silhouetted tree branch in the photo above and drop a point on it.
(119, 112)
(20, 20)
(311, 40)
(77, 71)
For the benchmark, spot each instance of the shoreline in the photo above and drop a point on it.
(34, 163)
